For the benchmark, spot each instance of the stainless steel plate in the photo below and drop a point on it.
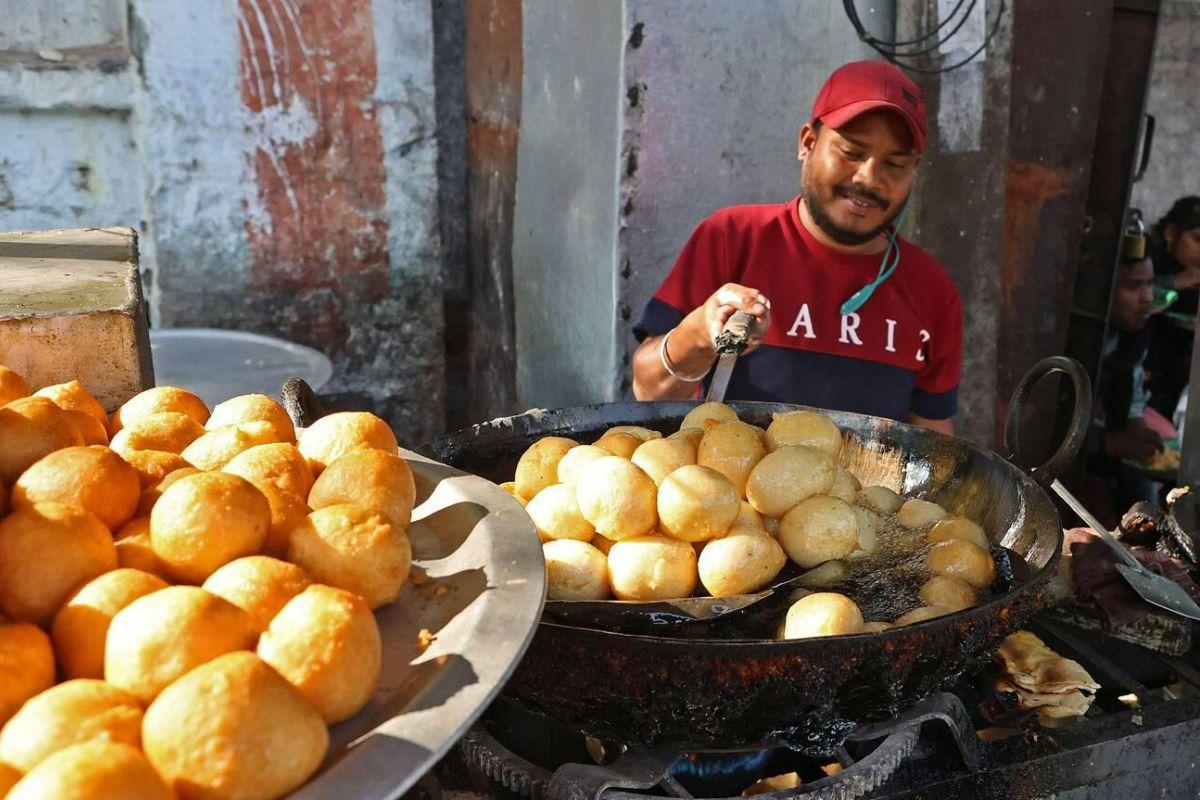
(478, 586)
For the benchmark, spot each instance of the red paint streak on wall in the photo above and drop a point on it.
(308, 74)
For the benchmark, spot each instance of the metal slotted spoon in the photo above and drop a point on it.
(1155, 589)
(1150, 586)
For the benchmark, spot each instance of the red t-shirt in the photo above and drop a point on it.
(900, 353)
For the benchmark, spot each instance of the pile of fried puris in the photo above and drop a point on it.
(186, 596)
(724, 504)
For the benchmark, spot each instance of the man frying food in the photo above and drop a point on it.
(850, 316)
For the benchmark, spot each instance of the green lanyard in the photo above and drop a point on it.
(891, 260)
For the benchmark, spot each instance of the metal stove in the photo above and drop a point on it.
(1140, 739)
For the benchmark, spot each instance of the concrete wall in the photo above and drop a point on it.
(1174, 169)
(566, 219)
(278, 158)
(639, 119)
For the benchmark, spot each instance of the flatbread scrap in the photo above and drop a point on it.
(1063, 704)
(1033, 666)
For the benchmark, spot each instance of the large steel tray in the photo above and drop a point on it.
(478, 586)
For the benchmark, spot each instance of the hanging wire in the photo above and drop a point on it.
(887, 49)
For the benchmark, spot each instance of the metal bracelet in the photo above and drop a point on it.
(666, 362)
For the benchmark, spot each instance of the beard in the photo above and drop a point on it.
(817, 209)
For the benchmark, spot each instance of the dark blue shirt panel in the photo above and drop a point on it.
(786, 375)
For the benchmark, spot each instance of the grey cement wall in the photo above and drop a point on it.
(1174, 169)
(640, 118)
(566, 218)
(957, 211)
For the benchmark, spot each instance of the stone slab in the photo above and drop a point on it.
(71, 307)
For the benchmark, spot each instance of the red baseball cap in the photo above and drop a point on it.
(862, 86)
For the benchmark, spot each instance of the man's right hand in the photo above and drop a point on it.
(1134, 443)
(709, 319)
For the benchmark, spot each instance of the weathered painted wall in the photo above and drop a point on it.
(278, 157)
(1174, 169)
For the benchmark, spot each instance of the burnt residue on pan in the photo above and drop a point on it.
(722, 691)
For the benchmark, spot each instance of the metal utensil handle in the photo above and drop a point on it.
(1095, 525)
(737, 332)
(1045, 474)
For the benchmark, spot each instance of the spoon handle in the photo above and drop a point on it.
(1095, 525)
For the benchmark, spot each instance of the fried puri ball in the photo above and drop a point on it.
(81, 625)
(617, 497)
(353, 548)
(658, 458)
(808, 428)
(696, 504)
(644, 434)
(876, 627)
(205, 520)
(92, 478)
(94, 770)
(156, 401)
(827, 574)
(880, 499)
(168, 431)
(150, 495)
(8, 778)
(869, 525)
(786, 476)
(967, 562)
(154, 465)
(4, 500)
(26, 665)
(46, 551)
(335, 435)
(555, 514)
(71, 396)
(845, 487)
(258, 585)
(278, 465)
(745, 560)
(690, 435)
(30, 429)
(748, 518)
(538, 466)
(326, 643)
(920, 614)
(160, 636)
(822, 614)
(12, 386)
(821, 528)
(948, 593)
(287, 512)
(705, 415)
(916, 514)
(233, 729)
(369, 478)
(90, 429)
(217, 447)
(575, 459)
(652, 568)
(576, 570)
(732, 448)
(253, 408)
(75, 711)
(134, 550)
(771, 526)
(619, 444)
(957, 528)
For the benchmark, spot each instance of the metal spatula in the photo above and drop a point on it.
(1150, 586)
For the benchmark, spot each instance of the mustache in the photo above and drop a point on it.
(850, 190)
